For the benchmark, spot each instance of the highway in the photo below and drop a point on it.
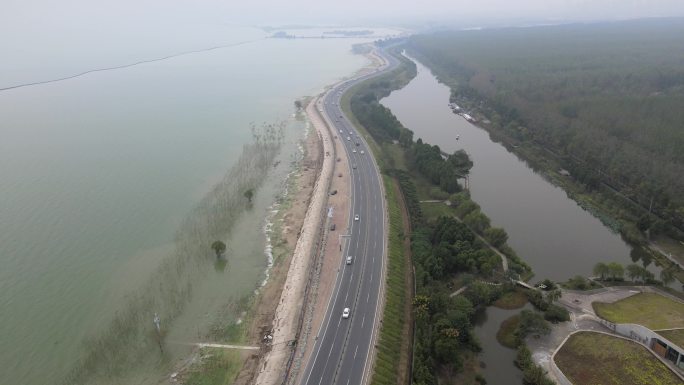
(342, 350)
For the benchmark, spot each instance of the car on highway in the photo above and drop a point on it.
(362, 152)
(349, 259)
(354, 151)
(356, 217)
(345, 312)
(348, 138)
(354, 166)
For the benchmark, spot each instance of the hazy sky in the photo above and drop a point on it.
(25, 12)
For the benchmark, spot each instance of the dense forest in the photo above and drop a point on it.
(605, 100)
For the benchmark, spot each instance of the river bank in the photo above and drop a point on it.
(616, 211)
(514, 197)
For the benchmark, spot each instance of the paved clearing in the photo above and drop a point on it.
(648, 309)
(589, 358)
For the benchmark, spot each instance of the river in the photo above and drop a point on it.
(98, 172)
(547, 229)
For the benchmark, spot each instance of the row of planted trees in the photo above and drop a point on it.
(614, 271)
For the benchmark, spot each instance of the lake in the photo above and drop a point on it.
(98, 172)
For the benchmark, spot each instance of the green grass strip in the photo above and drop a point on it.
(390, 339)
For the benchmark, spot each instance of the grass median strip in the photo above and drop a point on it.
(391, 340)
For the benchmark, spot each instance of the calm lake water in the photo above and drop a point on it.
(549, 231)
(97, 172)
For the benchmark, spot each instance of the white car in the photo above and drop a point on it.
(362, 152)
(348, 138)
(354, 151)
(349, 259)
(356, 217)
(345, 312)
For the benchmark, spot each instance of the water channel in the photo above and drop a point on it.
(549, 231)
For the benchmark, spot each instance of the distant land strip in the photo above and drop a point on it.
(130, 64)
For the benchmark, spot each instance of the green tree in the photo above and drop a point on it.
(249, 194)
(667, 276)
(219, 248)
(460, 163)
(531, 323)
(446, 348)
(496, 236)
(634, 271)
(298, 104)
(553, 295)
(476, 221)
(601, 270)
(524, 357)
(556, 314)
(535, 375)
(616, 270)
(466, 207)
(578, 283)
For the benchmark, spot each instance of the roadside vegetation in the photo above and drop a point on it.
(596, 108)
(654, 311)
(393, 339)
(216, 367)
(621, 362)
(448, 247)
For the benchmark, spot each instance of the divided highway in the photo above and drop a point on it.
(342, 351)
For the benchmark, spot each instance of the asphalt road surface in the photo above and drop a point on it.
(342, 349)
